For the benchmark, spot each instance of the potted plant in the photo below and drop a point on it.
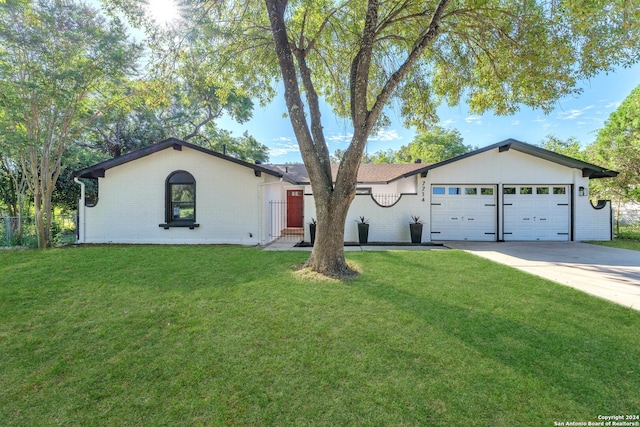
(363, 230)
(312, 230)
(416, 229)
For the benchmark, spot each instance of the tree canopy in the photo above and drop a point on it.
(618, 146)
(57, 58)
(434, 145)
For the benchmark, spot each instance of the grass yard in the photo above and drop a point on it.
(180, 335)
(627, 237)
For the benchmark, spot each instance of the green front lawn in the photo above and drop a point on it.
(150, 335)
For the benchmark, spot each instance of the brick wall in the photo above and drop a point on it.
(131, 201)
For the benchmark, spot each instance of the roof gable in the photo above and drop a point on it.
(98, 170)
(588, 170)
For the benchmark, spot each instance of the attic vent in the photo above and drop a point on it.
(386, 200)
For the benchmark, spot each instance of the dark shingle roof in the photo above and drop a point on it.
(99, 169)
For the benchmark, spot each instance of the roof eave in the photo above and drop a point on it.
(508, 144)
(98, 170)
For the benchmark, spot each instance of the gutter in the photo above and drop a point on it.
(81, 212)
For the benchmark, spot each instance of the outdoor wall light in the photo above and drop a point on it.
(581, 191)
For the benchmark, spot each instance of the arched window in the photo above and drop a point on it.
(180, 200)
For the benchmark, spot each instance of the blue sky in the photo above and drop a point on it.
(578, 116)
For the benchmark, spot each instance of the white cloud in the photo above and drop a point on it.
(341, 137)
(476, 120)
(283, 146)
(381, 135)
(515, 123)
(574, 114)
(284, 139)
(385, 135)
(543, 122)
(614, 104)
(448, 123)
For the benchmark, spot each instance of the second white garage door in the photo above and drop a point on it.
(463, 212)
(536, 212)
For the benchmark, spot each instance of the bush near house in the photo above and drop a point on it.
(184, 335)
(63, 231)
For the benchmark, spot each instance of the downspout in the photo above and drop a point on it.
(81, 211)
(262, 207)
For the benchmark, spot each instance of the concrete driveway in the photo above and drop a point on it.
(609, 273)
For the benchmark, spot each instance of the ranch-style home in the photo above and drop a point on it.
(174, 192)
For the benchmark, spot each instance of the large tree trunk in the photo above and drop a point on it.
(39, 219)
(327, 256)
(333, 198)
(41, 184)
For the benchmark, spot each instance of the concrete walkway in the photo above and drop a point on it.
(609, 273)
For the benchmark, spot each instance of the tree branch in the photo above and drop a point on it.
(430, 33)
(293, 99)
(359, 77)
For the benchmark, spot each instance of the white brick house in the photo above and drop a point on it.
(176, 192)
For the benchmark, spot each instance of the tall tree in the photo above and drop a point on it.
(57, 57)
(618, 147)
(433, 145)
(569, 147)
(360, 55)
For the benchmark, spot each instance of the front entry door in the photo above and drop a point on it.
(295, 208)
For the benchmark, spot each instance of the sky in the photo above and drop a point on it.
(578, 116)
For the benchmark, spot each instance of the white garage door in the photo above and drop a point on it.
(463, 212)
(536, 212)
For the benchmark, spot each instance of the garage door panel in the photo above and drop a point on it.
(463, 212)
(536, 212)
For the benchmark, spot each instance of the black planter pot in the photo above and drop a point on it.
(312, 232)
(416, 232)
(363, 233)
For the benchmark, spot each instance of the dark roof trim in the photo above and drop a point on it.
(588, 170)
(98, 170)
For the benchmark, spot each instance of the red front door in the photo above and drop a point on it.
(294, 208)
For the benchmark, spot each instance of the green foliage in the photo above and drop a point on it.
(626, 237)
(570, 147)
(618, 147)
(434, 145)
(67, 192)
(436, 338)
(495, 56)
(57, 62)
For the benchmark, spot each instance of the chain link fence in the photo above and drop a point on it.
(627, 221)
(21, 231)
(628, 213)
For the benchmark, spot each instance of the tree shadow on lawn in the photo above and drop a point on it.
(547, 332)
